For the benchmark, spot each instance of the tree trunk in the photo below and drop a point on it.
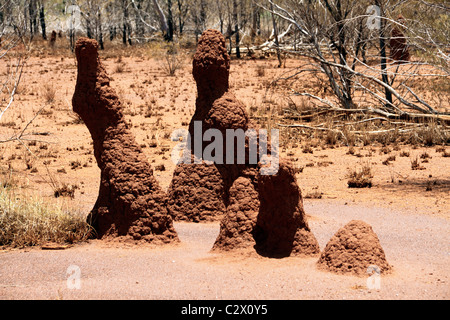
(202, 15)
(382, 35)
(162, 17)
(255, 18)
(100, 32)
(124, 26)
(220, 16)
(42, 20)
(140, 31)
(236, 28)
(32, 11)
(88, 26)
(180, 20)
(112, 33)
(275, 33)
(169, 36)
(126, 33)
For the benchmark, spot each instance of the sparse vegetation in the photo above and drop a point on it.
(313, 194)
(120, 67)
(172, 61)
(32, 221)
(260, 71)
(404, 154)
(49, 92)
(64, 190)
(415, 164)
(360, 178)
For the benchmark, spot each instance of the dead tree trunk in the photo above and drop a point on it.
(236, 28)
(255, 22)
(182, 11)
(99, 31)
(42, 20)
(162, 17)
(275, 33)
(169, 35)
(32, 12)
(382, 36)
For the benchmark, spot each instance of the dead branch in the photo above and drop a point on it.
(21, 136)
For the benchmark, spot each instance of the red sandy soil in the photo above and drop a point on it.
(411, 223)
(415, 244)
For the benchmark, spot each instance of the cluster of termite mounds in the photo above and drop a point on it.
(260, 211)
(257, 210)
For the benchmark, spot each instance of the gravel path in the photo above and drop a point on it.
(416, 245)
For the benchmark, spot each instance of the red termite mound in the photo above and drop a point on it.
(263, 211)
(198, 192)
(130, 204)
(53, 38)
(353, 249)
(399, 47)
(281, 228)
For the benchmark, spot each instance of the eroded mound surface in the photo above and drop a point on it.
(353, 249)
(197, 193)
(264, 212)
(130, 204)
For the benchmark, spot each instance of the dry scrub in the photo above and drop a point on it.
(31, 221)
(360, 178)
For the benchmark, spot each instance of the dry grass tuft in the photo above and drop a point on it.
(361, 178)
(49, 92)
(415, 164)
(260, 71)
(29, 221)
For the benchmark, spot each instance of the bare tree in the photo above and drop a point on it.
(331, 41)
(275, 34)
(199, 15)
(91, 11)
(14, 49)
(182, 13)
(41, 4)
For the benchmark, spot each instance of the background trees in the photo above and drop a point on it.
(14, 49)
(345, 47)
(347, 44)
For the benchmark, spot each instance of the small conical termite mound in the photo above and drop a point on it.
(353, 249)
(130, 204)
(263, 211)
(236, 228)
(196, 193)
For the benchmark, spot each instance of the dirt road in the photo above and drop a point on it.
(416, 245)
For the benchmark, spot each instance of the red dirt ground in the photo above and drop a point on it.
(411, 223)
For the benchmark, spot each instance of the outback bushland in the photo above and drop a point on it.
(358, 91)
(316, 70)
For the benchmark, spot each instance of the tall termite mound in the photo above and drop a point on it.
(130, 204)
(260, 211)
(399, 47)
(281, 228)
(353, 249)
(198, 190)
